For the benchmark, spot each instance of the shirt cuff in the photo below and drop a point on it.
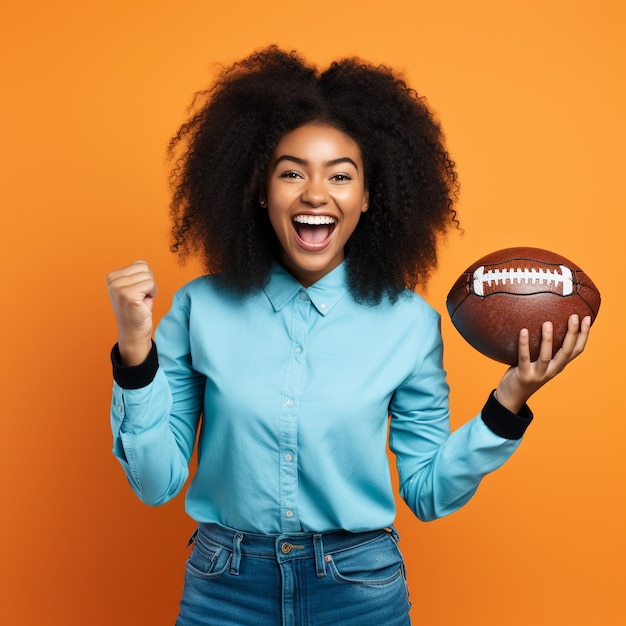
(134, 376)
(503, 422)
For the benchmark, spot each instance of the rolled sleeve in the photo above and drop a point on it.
(503, 422)
(134, 376)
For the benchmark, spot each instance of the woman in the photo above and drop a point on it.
(316, 200)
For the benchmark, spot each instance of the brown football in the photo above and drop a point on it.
(515, 288)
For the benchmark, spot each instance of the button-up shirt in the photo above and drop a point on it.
(295, 393)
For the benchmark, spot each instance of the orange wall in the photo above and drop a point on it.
(531, 95)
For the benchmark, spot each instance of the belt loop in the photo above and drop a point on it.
(394, 534)
(236, 554)
(320, 563)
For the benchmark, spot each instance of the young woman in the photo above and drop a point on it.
(316, 200)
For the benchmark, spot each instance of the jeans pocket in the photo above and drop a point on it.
(378, 562)
(208, 559)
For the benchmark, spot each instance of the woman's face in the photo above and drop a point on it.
(315, 197)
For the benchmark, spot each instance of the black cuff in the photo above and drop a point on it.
(134, 376)
(503, 422)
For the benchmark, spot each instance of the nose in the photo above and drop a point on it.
(315, 193)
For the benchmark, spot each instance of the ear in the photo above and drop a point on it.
(366, 201)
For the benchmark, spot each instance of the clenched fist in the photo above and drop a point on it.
(131, 290)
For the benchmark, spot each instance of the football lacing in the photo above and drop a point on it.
(526, 276)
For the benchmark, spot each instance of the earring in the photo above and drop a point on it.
(262, 203)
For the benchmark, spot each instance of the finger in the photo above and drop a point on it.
(581, 337)
(571, 336)
(545, 348)
(523, 349)
(137, 276)
(574, 342)
(142, 270)
(134, 269)
(133, 289)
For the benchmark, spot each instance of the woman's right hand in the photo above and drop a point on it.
(131, 290)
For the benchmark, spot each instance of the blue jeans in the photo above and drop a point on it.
(305, 579)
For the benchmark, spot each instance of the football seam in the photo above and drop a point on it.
(458, 305)
(523, 295)
(591, 311)
(589, 286)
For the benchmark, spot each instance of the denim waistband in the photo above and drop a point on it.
(288, 546)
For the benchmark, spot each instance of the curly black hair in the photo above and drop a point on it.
(222, 152)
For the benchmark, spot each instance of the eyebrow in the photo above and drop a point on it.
(304, 162)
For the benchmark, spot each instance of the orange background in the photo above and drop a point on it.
(531, 96)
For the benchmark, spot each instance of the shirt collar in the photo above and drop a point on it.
(324, 294)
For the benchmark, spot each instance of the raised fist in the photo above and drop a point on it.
(132, 290)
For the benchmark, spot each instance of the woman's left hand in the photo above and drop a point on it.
(522, 381)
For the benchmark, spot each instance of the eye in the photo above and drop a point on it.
(292, 174)
(341, 177)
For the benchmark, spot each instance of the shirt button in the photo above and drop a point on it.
(303, 296)
(298, 350)
(290, 402)
(289, 514)
(322, 306)
(288, 457)
(120, 408)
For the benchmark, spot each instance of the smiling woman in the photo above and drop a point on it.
(316, 200)
(315, 196)
(223, 153)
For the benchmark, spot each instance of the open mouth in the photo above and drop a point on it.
(313, 232)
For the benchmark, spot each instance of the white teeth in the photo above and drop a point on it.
(314, 220)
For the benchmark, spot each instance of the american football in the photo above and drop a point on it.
(515, 288)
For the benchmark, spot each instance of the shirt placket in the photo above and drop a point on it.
(288, 421)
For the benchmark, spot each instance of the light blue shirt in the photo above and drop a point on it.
(295, 387)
